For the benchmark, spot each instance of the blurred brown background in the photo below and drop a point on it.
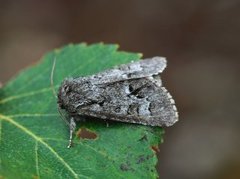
(200, 39)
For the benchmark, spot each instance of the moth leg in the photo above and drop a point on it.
(72, 127)
(107, 124)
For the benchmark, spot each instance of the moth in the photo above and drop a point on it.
(130, 93)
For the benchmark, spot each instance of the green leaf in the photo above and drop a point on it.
(34, 138)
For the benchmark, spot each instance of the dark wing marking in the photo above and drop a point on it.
(139, 101)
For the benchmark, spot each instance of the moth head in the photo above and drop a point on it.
(63, 92)
(74, 93)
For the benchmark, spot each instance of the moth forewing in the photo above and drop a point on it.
(139, 101)
(138, 69)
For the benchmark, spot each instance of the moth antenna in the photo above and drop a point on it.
(54, 91)
(52, 83)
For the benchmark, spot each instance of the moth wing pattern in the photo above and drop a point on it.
(140, 101)
(138, 69)
(130, 93)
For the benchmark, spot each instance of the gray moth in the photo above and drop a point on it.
(131, 93)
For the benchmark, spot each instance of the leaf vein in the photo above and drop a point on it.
(93, 149)
(38, 139)
(31, 93)
(30, 81)
(33, 115)
(36, 158)
(104, 155)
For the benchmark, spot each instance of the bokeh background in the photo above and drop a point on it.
(201, 41)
